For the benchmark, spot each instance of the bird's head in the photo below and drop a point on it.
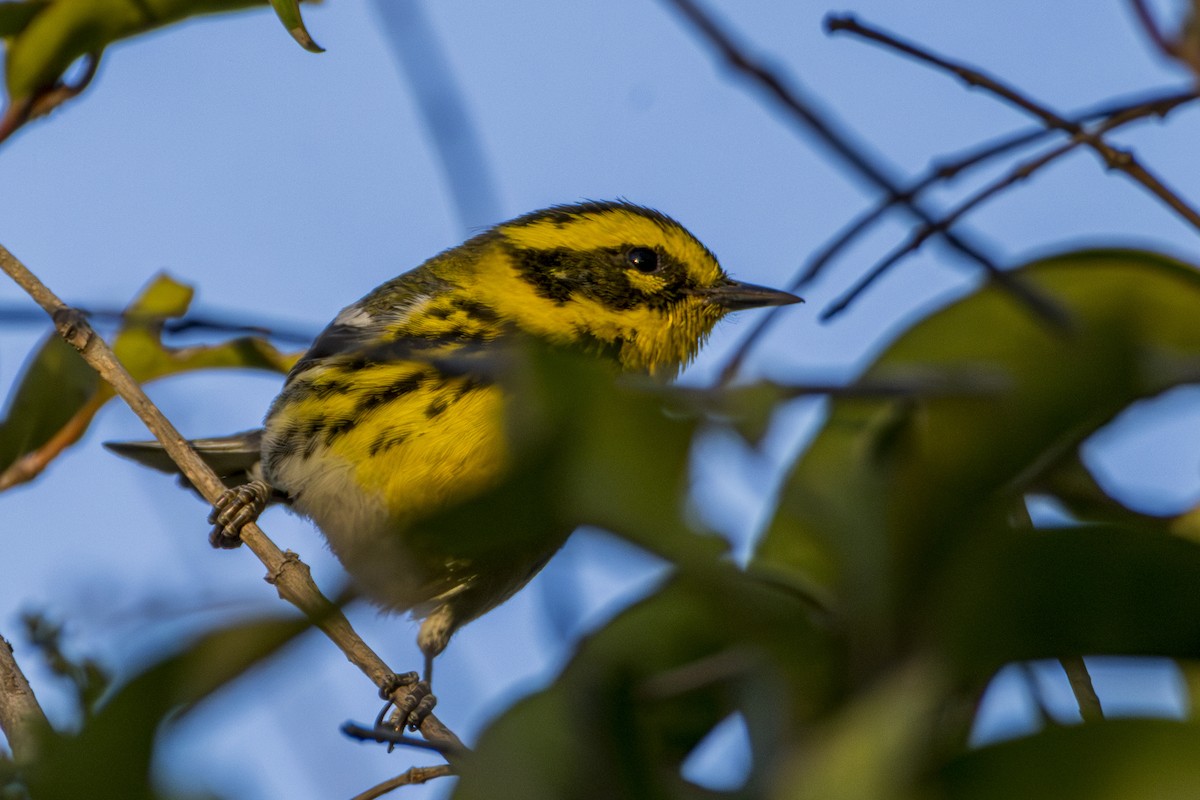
(612, 277)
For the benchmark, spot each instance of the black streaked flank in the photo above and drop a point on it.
(393, 391)
(338, 428)
(386, 441)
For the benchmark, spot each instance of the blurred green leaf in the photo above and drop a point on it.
(892, 488)
(14, 16)
(643, 692)
(87, 678)
(640, 694)
(1069, 592)
(1114, 760)
(112, 756)
(874, 748)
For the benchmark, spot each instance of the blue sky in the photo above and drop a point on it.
(284, 185)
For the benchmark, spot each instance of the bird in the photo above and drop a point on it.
(394, 412)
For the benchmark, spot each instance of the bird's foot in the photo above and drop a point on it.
(413, 709)
(233, 510)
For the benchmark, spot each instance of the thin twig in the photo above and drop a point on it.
(1114, 158)
(1113, 116)
(1018, 174)
(1114, 113)
(21, 315)
(805, 112)
(386, 735)
(290, 576)
(415, 775)
(20, 714)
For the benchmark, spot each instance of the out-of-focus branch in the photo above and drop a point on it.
(1153, 32)
(22, 315)
(1114, 158)
(290, 576)
(415, 46)
(1088, 701)
(20, 713)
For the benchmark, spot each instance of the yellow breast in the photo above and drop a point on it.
(411, 437)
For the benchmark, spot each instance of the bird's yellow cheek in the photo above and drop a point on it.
(645, 283)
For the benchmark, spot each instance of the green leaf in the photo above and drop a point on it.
(892, 488)
(288, 12)
(139, 345)
(643, 692)
(53, 387)
(43, 41)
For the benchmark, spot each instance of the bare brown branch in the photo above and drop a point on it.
(412, 777)
(290, 576)
(20, 714)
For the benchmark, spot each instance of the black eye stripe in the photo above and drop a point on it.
(643, 259)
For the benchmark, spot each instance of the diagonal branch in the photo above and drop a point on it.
(290, 576)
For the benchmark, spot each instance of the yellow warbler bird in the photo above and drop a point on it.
(384, 420)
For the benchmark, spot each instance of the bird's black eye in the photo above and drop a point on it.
(643, 259)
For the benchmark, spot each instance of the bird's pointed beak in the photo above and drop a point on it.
(735, 296)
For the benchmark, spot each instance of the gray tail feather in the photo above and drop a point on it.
(236, 459)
